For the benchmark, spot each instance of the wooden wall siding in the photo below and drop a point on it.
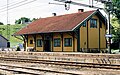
(75, 42)
(83, 37)
(102, 37)
(67, 49)
(30, 37)
(39, 48)
(93, 36)
(91, 42)
(57, 49)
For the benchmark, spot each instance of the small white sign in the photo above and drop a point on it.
(108, 35)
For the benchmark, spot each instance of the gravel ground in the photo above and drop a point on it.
(83, 71)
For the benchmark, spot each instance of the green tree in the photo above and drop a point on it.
(115, 11)
(113, 7)
(22, 20)
(116, 33)
(1, 23)
(34, 19)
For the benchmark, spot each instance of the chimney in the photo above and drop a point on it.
(54, 14)
(80, 10)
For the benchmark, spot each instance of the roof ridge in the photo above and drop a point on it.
(67, 14)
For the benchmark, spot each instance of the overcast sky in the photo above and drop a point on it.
(36, 9)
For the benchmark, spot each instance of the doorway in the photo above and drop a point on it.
(47, 46)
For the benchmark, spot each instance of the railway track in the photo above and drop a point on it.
(31, 70)
(65, 63)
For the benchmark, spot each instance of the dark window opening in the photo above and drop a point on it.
(31, 41)
(39, 42)
(84, 24)
(100, 22)
(57, 42)
(68, 42)
(93, 23)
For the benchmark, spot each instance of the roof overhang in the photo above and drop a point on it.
(43, 32)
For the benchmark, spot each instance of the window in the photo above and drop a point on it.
(31, 41)
(57, 42)
(100, 23)
(67, 42)
(93, 23)
(84, 24)
(39, 42)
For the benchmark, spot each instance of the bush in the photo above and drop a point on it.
(18, 48)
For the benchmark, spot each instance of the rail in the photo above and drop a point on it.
(66, 63)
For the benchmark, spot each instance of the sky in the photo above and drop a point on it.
(37, 9)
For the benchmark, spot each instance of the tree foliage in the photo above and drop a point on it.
(34, 19)
(23, 20)
(114, 9)
(1, 23)
(116, 33)
(116, 13)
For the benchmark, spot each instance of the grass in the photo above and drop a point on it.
(13, 28)
(115, 51)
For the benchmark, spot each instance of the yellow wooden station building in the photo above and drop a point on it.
(81, 31)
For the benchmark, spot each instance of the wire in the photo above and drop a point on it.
(12, 4)
(56, 3)
(80, 4)
(18, 5)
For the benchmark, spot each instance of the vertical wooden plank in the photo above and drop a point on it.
(62, 41)
(42, 35)
(73, 42)
(34, 36)
(52, 42)
(24, 45)
(87, 36)
(99, 37)
(78, 39)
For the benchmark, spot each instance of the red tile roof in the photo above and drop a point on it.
(55, 24)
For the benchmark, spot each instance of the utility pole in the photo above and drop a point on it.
(109, 9)
(109, 32)
(8, 25)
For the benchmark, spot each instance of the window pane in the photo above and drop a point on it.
(31, 41)
(67, 42)
(100, 24)
(57, 42)
(39, 42)
(93, 23)
(84, 24)
(70, 42)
